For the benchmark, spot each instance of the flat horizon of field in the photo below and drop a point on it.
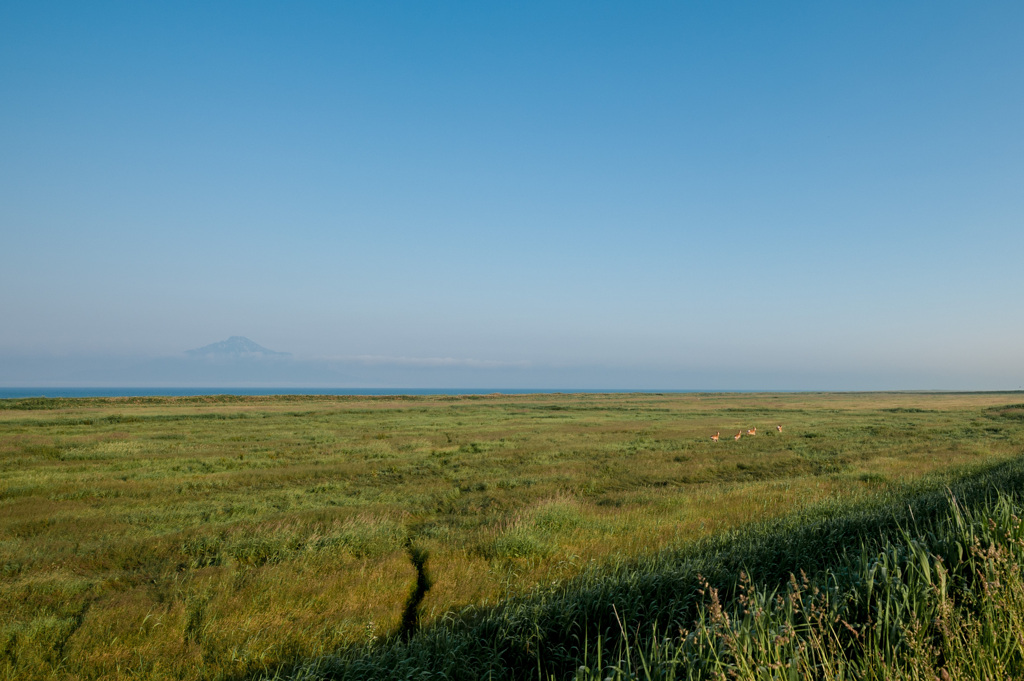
(23, 392)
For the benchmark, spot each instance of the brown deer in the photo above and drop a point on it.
(737, 436)
(778, 428)
(714, 438)
(752, 431)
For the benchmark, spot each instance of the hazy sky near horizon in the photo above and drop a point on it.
(731, 186)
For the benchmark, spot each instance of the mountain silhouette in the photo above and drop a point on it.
(236, 347)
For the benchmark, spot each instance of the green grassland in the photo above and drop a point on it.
(226, 537)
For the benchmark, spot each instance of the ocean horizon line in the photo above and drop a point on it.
(198, 391)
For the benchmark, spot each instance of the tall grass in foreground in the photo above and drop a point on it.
(945, 603)
(923, 585)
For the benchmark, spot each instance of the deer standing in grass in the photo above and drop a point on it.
(778, 428)
(714, 438)
(737, 436)
(752, 431)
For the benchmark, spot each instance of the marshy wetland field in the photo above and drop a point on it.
(238, 537)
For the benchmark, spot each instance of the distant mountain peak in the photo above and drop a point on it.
(236, 347)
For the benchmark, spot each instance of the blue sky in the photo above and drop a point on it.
(748, 195)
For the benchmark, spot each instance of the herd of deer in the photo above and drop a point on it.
(739, 434)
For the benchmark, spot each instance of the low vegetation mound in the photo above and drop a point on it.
(923, 584)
